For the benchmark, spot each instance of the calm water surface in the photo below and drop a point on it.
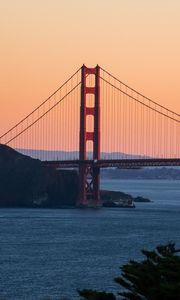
(48, 253)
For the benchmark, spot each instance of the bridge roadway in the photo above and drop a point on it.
(118, 163)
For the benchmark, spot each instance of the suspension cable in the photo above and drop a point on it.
(40, 104)
(125, 93)
(39, 118)
(178, 115)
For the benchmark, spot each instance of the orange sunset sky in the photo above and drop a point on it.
(44, 41)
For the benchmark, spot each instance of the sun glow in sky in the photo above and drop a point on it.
(44, 41)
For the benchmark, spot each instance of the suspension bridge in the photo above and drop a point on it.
(94, 121)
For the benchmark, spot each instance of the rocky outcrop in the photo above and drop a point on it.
(141, 199)
(112, 196)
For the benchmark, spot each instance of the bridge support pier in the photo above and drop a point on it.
(89, 173)
(89, 176)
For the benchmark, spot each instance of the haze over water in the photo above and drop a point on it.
(52, 252)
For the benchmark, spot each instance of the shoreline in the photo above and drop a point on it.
(109, 199)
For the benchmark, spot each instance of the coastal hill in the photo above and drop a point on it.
(25, 182)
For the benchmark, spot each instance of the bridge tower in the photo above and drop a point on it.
(89, 173)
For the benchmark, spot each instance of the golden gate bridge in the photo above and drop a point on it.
(94, 121)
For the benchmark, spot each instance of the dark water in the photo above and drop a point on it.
(48, 254)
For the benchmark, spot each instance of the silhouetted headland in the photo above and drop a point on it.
(25, 182)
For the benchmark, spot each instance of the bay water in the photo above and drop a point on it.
(50, 253)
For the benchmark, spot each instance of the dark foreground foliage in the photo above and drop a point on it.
(93, 295)
(157, 277)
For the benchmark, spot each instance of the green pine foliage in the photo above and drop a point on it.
(156, 277)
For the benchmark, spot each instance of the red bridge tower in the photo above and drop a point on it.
(89, 173)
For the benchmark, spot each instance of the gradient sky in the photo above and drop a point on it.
(44, 41)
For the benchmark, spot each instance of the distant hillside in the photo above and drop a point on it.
(143, 173)
(24, 182)
(55, 155)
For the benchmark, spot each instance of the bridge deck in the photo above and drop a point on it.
(119, 163)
